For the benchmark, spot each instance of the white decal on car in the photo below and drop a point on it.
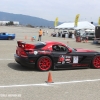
(35, 52)
(75, 59)
(68, 56)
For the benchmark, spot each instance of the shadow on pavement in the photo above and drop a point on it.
(97, 44)
(18, 67)
(71, 69)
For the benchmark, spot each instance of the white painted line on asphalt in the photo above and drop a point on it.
(49, 84)
(81, 81)
(6, 59)
(25, 85)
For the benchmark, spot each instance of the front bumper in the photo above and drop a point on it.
(23, 61)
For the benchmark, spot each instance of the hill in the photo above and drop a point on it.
(25, 19)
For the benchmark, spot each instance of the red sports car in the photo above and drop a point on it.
(56, 55)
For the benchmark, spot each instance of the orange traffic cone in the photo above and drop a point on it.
(25, 37)
(32, 39)
(86, 40)
(49, 78)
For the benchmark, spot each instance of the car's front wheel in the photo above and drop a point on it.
(96, 62)
(44, 63)
(9, 38)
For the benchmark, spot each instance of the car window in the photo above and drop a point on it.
(64, 31)
(91, 33)
(87, 34)
(59, 48)
(3, 33)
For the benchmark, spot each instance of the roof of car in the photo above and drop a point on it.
(54, 42)
(49, 43)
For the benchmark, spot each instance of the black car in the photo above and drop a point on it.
(56, 55)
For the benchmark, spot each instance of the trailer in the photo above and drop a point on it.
(97, 35)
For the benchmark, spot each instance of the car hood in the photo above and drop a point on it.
(83, 50)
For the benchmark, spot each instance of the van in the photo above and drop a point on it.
(90, 35)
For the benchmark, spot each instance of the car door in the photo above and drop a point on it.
(3, 36)
(64, 59)
(0, 36)
(92, 35)
(61, 57)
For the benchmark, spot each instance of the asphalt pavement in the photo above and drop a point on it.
(19, 83)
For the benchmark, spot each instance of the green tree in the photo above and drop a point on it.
(10, 23)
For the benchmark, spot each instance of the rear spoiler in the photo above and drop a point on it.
(25, 45)
(21, 43)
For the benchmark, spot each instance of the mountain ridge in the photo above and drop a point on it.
(26, 19)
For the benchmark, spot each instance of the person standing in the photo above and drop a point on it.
(47, 32)
(40, 35)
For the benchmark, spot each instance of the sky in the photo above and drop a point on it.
(65, 10)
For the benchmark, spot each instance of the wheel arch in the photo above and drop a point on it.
(91, 63)
(47, 56)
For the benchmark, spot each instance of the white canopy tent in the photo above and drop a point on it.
(81, 25)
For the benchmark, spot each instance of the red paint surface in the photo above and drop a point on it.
(96, 62)
(83, 50)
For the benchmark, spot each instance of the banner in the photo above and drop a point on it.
(76, 20)
(99, 21)
(56, 22)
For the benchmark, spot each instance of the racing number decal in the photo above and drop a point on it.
(75, 59)
(68, 59)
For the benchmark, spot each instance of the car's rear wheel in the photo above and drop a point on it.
(96, 62)
(9, 38)
(44, 63)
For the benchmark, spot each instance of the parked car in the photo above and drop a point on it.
(7, 36)
(55, 55)
(64, 32)
(53, 34)
(90, 36)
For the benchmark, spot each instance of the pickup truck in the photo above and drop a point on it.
(6, 36)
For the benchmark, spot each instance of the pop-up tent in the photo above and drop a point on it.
(81, 25)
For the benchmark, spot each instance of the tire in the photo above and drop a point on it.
(9, 38)
(44, 63)
(96, 62)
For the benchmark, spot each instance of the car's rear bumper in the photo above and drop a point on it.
(24, 61)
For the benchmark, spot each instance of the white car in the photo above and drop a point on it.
(90, 35)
